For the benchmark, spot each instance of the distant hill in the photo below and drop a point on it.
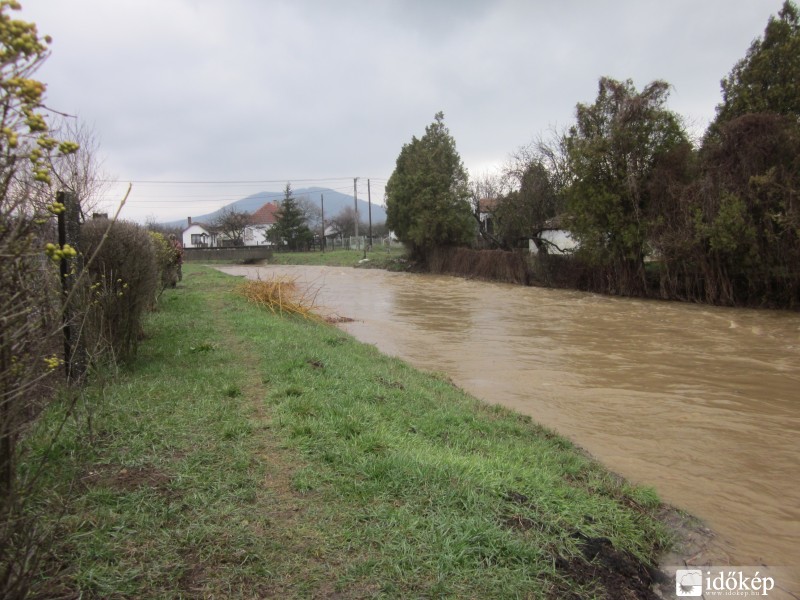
(334, 203)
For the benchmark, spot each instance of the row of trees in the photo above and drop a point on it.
(654, 213)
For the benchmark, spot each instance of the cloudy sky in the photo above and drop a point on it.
(249, 94)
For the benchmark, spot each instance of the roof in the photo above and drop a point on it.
(205, 226)
(556, 223)
(486, 205)
(265, 215)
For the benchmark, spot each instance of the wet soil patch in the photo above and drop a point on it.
(615, 574)
(128, 479)
(618, 574)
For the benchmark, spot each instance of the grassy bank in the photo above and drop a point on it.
(245, 455)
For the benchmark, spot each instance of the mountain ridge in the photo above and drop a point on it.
(334, 203)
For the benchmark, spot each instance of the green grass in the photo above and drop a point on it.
(380, 258)
(246, 455)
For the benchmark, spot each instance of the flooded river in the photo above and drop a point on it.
(701, 403)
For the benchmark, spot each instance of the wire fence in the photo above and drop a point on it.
(352, 242)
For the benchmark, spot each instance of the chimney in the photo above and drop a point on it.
(190, 221)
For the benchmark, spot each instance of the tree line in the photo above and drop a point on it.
(654, 213)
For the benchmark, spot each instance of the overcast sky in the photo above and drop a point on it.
(317, 92)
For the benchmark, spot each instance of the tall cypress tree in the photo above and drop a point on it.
(427, 197)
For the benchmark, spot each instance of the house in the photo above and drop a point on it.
(199, 235)
(554, 238)
(260, 223)
(486, 208)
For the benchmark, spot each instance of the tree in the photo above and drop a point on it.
(231, 223)
(536, 175)
(82, 171)
(613, 150)
(311, 211)
(766, 79)
(427, 196)
(523, 213)
(746, 217)
(345, 219)
(484, 191)
(290, 228)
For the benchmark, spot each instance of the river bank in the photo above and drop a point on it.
(698, 402)
(246, 455)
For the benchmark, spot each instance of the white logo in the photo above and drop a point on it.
(689, 583)
(745, 582)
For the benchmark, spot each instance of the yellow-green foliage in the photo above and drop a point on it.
(30, 300)
(166, 260)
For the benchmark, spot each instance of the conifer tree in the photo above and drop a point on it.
(290, 230)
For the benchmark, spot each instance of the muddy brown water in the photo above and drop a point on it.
(701, 403)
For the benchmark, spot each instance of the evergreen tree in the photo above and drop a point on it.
(767, 78)
(613, 150)
(427, 196)
(290, 229)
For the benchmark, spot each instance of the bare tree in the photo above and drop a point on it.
(534, 179)
(344, 221)
(485, 192)
(231, 224)
(80, 172)
(151, 224)
(311, 211)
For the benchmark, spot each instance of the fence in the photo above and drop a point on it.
(352, 242)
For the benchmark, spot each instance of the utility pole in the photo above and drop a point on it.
(322, 209)
(369, 204)
(355, 202)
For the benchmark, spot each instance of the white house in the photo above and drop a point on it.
(199, 235)
(260, 223)
(486, 208)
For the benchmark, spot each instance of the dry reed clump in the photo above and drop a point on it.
(281, 295)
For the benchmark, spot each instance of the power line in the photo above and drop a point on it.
(211, 198)
(225, 182)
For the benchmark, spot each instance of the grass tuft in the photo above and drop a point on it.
(281, 295)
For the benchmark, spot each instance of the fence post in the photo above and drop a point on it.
(69, 229)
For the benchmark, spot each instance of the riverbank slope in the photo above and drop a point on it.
(248, 455)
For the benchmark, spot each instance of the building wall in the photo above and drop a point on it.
(254, 235)
(194, 230)
(559, 237)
